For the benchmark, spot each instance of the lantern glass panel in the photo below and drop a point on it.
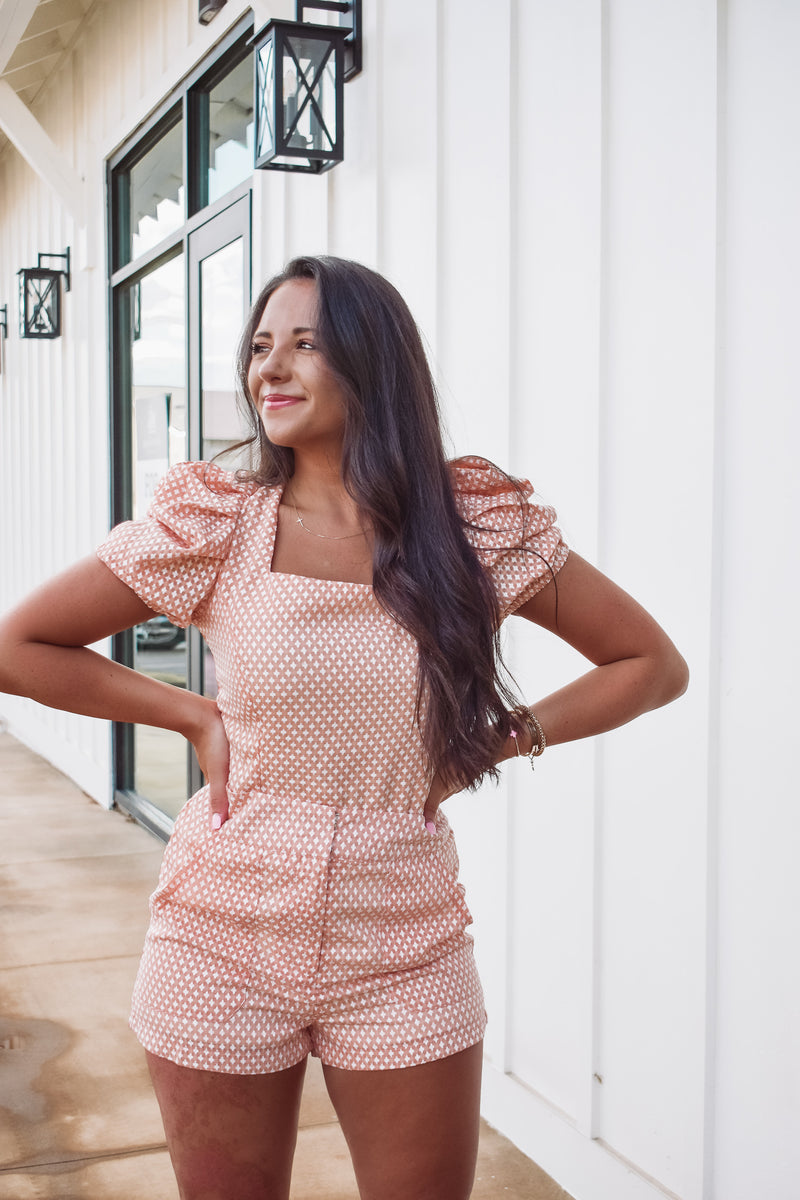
(265, 65)
(309, 94)
(39, 303)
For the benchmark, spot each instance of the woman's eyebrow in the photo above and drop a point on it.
(266, 333)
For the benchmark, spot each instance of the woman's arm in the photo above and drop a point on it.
(637, 667)
(44, 655)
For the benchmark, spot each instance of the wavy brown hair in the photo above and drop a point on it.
(425, 572)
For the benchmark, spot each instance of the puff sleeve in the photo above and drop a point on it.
(171, 558)
(515, 538)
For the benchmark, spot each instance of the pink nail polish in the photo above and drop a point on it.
(216, 821)
(431, 828)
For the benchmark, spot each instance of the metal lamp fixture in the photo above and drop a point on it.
(300, 73)
(40, 298)
(208, 9)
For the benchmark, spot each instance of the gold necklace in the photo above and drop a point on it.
(328, 537)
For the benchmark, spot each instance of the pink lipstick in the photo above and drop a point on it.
(276, 400)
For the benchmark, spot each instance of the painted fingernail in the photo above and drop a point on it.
(431, 828)
(216, 821)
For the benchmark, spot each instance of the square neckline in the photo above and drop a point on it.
(278, 494)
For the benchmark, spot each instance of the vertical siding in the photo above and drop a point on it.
(656, 510)
(757, 1094)
(609, 312)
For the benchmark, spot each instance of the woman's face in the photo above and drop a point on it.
(299, 400)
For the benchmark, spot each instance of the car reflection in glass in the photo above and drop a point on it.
(158, 634)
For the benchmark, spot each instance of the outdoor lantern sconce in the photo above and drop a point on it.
(300, 73)
(208, 9)
(40, 298)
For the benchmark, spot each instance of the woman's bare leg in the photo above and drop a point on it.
(230, 1137)
(412, 1132)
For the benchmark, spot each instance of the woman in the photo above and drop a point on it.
(351, 588)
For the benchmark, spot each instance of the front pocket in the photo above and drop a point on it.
(426, 912)
(209, 886)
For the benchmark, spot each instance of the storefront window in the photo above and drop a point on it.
(180, 287)
(158, 439)
(158, 393)
(156, 195)
(221, 309)
(230, 130)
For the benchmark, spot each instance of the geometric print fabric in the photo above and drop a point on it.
(322, 917)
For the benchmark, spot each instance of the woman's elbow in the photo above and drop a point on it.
(12, 648)
(673, 676)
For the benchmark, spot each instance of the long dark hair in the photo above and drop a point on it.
(425, 572)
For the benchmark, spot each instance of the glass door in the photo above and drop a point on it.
(219, 297)
(185, 317)
(157, 441)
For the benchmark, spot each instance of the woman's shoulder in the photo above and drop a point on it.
(205, 486)
(514, 535)
(481, 486)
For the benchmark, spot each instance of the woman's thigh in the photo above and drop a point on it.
(230, 1137)
(412, 1131)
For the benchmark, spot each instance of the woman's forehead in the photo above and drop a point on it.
(293, 304)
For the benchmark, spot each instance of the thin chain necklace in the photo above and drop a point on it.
(328, 537)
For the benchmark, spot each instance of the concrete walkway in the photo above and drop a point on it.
(78, 1120)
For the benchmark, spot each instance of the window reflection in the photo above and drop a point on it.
(230, 132)
(156, 192)
(158, 440)
(158, 400)
(222, 313)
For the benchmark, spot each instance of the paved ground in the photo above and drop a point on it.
(78, 1120)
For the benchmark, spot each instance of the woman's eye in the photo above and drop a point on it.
(306, 345)
(258, 348)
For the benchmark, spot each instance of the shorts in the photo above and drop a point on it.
(390, 1023)
(306, 928)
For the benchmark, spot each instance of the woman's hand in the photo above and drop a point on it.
(439, 791)
(213, 754)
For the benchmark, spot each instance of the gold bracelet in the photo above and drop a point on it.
(538, 739)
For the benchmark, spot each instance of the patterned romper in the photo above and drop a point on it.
(322, 916)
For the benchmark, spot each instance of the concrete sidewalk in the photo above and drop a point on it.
(79, 1120)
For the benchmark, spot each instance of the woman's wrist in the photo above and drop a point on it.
(196, 715)
(527, 738)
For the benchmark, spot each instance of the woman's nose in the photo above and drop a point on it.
(273, 365)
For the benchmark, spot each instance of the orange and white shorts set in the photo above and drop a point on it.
(322, 917)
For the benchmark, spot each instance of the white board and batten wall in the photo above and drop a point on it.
(591, 208)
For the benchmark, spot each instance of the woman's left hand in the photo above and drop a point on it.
(439, 791)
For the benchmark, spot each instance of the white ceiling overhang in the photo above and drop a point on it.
(34, 38)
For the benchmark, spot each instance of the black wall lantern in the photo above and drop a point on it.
(40, 298)
(300, 73)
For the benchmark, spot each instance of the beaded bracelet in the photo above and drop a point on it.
(539, 741)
